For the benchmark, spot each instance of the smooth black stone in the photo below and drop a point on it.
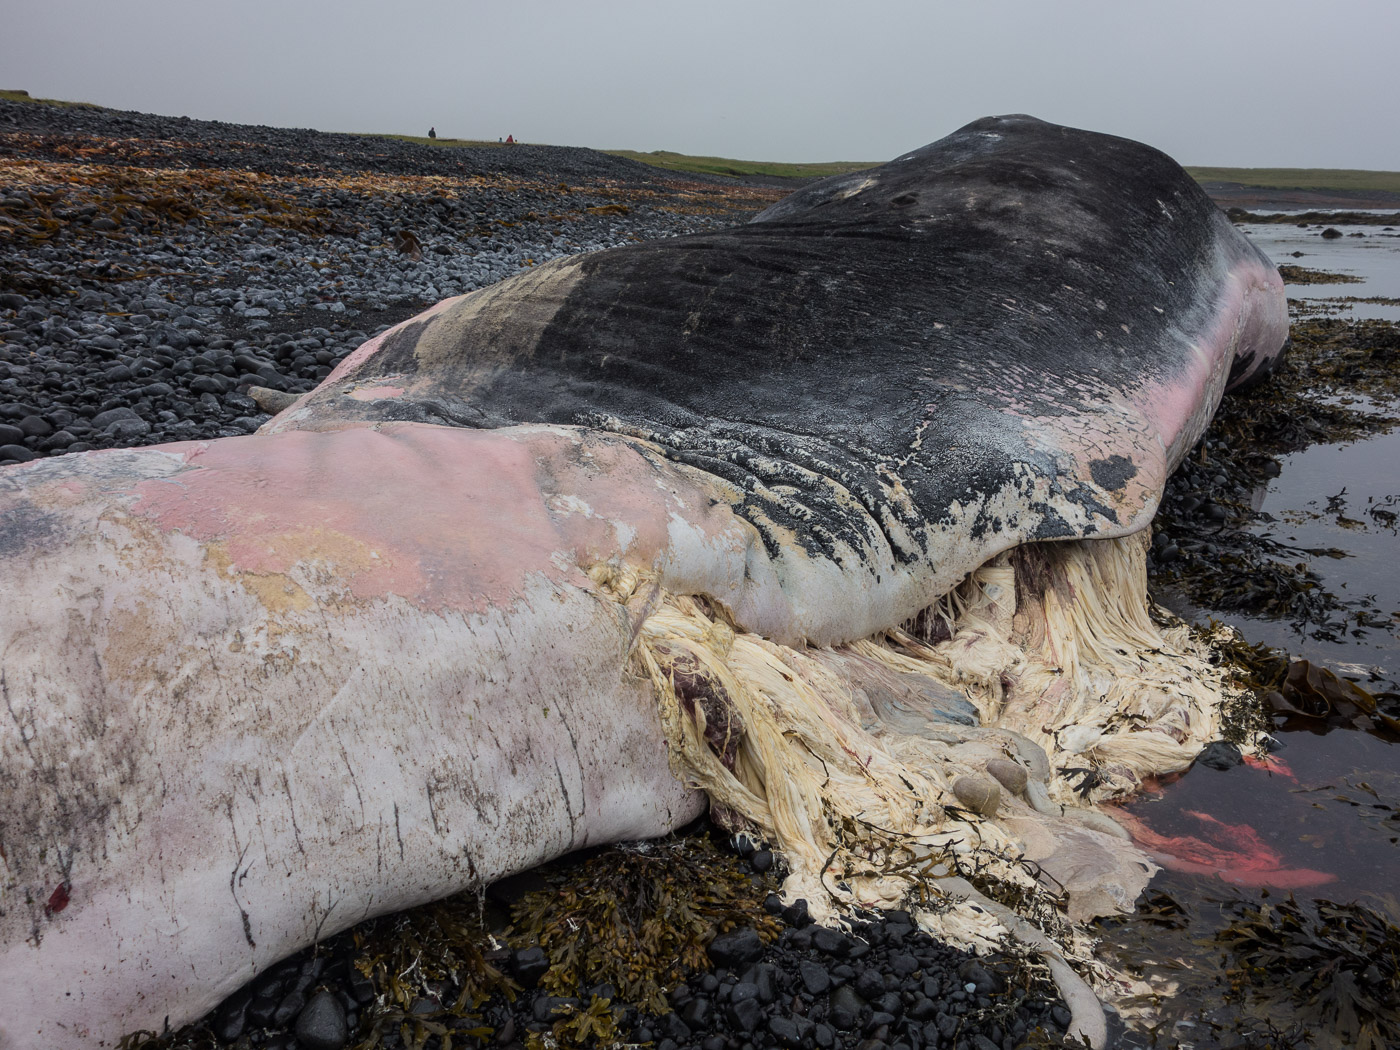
(672, 1027)
(823, 1036)
(762, 976)
(291, 1005)
(814, 976)
(59, 439)
(322, 1024)
(743, 990)
(232, 1016)
(744, 1015)
(1220, 754)
(773, 905)
(902, 964)
(761, 861)
(831, 942)
(528, 965)
(975, 973)
(210, 384)
(12, 435)
(106, 418)
(261, 1009)
(891, 1003)
(870, 984)
(715, 1042)
(878, 1027)
(796, 940)
(360, 986)
(736, 948)
(698, 1013)
(924, 1009)
(785, 1031)
(844, 1006)
(796, 914)
(35, 426)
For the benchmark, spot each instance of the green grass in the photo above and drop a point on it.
(1302, 178)
(726, 166)
(683, 162)
(24, 96)
(423, 140)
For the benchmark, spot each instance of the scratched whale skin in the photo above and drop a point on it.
(261, 688)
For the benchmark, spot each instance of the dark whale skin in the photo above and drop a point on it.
(1012, 334)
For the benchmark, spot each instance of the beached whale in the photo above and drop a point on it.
(831, 521)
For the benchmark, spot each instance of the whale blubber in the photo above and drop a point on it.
(816, 514)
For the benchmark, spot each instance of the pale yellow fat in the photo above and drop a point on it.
(864, 813)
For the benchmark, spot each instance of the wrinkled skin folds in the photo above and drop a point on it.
(261, 688)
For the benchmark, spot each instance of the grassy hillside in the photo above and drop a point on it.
(726, 166)
(1302, 178)
(24, 96)
(423, 140)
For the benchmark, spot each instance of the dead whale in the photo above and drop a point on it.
(831, 522)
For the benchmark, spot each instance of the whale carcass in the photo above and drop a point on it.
(832, 522)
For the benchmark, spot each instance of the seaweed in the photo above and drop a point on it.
(1303, 275)
(1337, 965)
(639, 917)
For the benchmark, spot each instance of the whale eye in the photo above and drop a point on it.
(904, 200)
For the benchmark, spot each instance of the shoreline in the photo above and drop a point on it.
(148, 319)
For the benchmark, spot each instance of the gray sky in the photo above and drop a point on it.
(1230, 82)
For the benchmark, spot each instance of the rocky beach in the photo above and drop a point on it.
(155, 269)
(166, 279)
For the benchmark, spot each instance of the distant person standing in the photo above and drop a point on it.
(432, 133)
(510, 140)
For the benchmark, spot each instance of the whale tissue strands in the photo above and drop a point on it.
(318, 658)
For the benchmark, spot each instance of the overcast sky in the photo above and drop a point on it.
(1230, 82)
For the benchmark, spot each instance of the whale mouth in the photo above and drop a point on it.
(974, 740)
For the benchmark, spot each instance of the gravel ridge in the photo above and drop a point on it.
(122, 136)
(157, 268)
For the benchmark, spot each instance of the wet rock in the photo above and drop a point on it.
(979, 794)
(321, 1025)
(735, 949)
(814, 977)
(528, 965)
(1220, 754)
(1010, 775)
(744, 1015)
(550, 1008)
